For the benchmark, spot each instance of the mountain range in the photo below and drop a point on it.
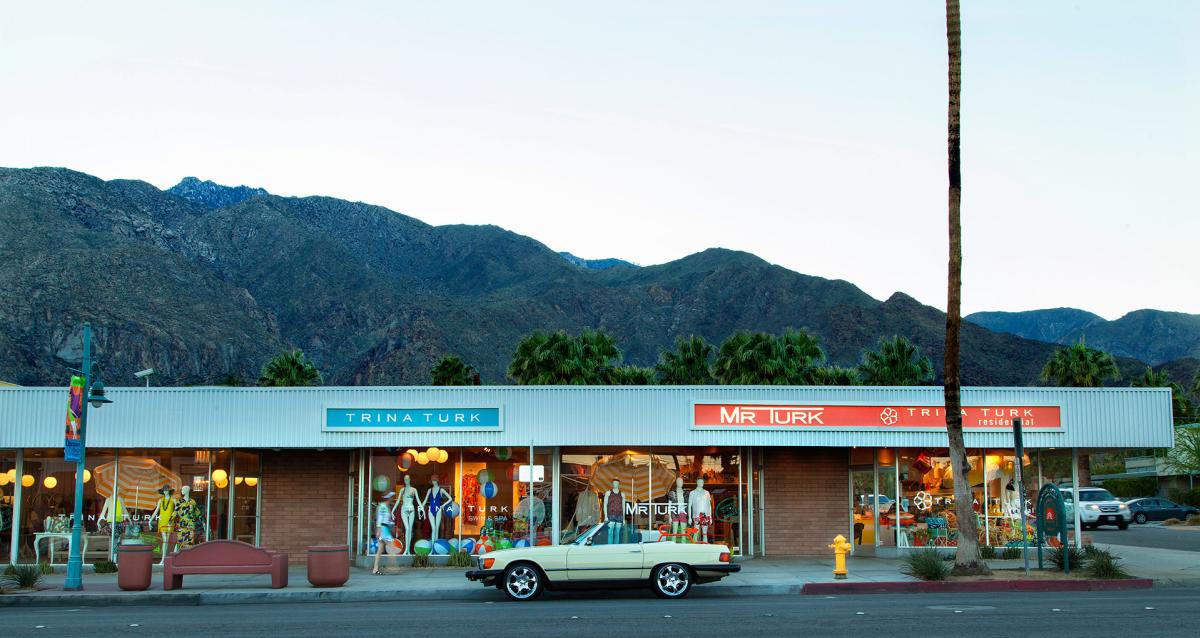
(204, 283)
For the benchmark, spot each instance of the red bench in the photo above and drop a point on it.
(225, 557)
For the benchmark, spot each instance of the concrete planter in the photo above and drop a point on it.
(134, 564)
(328, 565)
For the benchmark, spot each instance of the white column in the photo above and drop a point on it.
(18, 492)
(875, 499)
(987, 528)
(1075, 496)
(556, 498)
(747, 468)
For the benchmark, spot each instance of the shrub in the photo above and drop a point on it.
(987, 552)
(46, 568)
(1193, 520)
(460, 559)
(1106, 566)
(23, 576)
(1090, 551)
(1132, 487)
(1172, 521)
(1186, 497)
(1010, 553)
(421, 562)
(926, 564)
(105, 567)
(1060, 555)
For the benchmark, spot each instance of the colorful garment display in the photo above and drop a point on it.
(166, 514)
(187, 517)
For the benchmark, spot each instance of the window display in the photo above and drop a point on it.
(8, 490)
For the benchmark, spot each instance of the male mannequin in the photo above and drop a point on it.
(436, 498)
(407, 500)
(187, 515)
(677, 511)
(614, 512)
(164, 510)
(700, 507)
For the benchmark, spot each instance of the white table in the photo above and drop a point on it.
(51, 536)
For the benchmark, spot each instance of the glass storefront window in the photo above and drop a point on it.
(926, 507)
(8, 491)
(247, 475)
(142, 472)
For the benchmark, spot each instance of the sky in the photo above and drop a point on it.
(811, 134)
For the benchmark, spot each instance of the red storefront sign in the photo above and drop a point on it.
(753, 415)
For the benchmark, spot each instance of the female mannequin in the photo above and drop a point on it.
(113, 511)
(383, 528)
(407, 501)
(436, 498)
(614, 512)
(164, 509)
(700, 509)
(677, 511)
(187, 514)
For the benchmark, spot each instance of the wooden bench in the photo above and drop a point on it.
(225, 557)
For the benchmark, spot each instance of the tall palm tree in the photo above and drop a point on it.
(803, 355)
(1078, 366)
(451, 370)
(1181, 406)
(631, 375)
(897, 362)
(836, 375)
(966, 557)
(560, 359)
(688, 364)
(289, 369)
(760, 358)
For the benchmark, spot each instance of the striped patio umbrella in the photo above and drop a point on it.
(640, 476)
(140, 480)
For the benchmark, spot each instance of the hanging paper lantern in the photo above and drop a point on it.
(503, 453)
(441, 548)
(237, 480)
(222, 484)
(432, 453)
(412, 452)
(405, 461)
(488, 490)
(27, 480)
(443, 456)
(251, 481)
(4, 480)
(467, 545)
(422, 547)
(50, 482)
(452, 509)
(483, 476)
(219, 475)
(381, 483)
(422, 458)
(12, 475)
(87, 476)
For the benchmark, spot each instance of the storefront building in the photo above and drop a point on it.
(774, 470)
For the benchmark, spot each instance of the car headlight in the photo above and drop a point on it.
(1094, 508)
(1123, 506)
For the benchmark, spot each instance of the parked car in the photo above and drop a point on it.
(1098, 507)
(1158, 509)
(637, 559)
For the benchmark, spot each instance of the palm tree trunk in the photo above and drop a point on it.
(966, 559)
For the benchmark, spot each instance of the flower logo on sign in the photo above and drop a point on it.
(923, 500)
(889, 416)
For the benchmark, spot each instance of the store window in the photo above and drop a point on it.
(925, 513)
(180, 519)
(8, 492)
(246, 486)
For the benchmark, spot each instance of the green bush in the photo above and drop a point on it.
(1010, 553)
(1172, 521)
(23, 576)
(105, 567)
(1058, 557)
(1193, 520)
(925, 564)
(460, 559)
(1104, 565)
(987, 552)
(1091, 551)
(1132, 487)
(46, 569)
(1186, 497)
(421, 562)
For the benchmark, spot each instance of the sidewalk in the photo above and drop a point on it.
(759, 577)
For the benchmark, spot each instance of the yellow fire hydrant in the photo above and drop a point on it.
(840, 547)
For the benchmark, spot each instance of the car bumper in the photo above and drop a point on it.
(710, 573)
(486, 576)
(1103, 518)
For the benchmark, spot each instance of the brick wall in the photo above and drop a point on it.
(807, 499)
(303, 500)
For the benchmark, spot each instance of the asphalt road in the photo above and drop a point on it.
(1148, 536)
(1164, 612)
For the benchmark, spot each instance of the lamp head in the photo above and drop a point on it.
(96, 396)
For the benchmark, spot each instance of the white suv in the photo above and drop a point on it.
(1099, 507)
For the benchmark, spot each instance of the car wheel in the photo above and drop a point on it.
(671, 581)
(1140, 517)
(1123, 525)
(522, 582)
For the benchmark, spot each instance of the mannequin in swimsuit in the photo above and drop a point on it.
(436, 497)
(407, 501)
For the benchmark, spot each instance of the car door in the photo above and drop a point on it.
(600, 560)
(1169, 509)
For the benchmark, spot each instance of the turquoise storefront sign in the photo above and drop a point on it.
(412, 419)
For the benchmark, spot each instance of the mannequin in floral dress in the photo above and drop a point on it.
(187, 515)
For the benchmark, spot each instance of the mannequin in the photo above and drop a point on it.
(164, 509)
(383, 529)
(587, 509)
(678, 509)
(614, 512)
(113, 511)
(700, 507)
(407, 501)
(436, 498)
(187, 515)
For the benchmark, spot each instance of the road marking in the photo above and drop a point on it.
(860, 613)
(1149, 609)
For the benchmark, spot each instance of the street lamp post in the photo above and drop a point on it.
(93, 393)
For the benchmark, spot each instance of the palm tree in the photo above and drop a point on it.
(836, 375)
(451, 370)
(760, 358)
(966, 557)
(289, 369)
(687, 365)
(631, 375)
(1078, 366)
(802, 354)
(1181, 407)
(560, 359)
(897, 362)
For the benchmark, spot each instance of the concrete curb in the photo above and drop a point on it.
(933, 587)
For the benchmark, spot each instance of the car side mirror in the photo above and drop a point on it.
(588, 542)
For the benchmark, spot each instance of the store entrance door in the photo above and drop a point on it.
(862, 504)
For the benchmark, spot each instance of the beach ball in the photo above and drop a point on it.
(422, 547)
(483, 547)
(441, 548)
(521, 542)
(484, 476)
(452, 509)
(503, 453)
(504, 544)
(453, 544)
(381, 483)
(405, 461)
(488, 490)
(467, 545)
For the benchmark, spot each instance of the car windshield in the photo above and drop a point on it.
(1095, 495)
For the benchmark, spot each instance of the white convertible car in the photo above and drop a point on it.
(669, 568)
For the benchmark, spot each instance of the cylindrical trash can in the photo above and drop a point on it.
(134, 566)
(328, 565)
